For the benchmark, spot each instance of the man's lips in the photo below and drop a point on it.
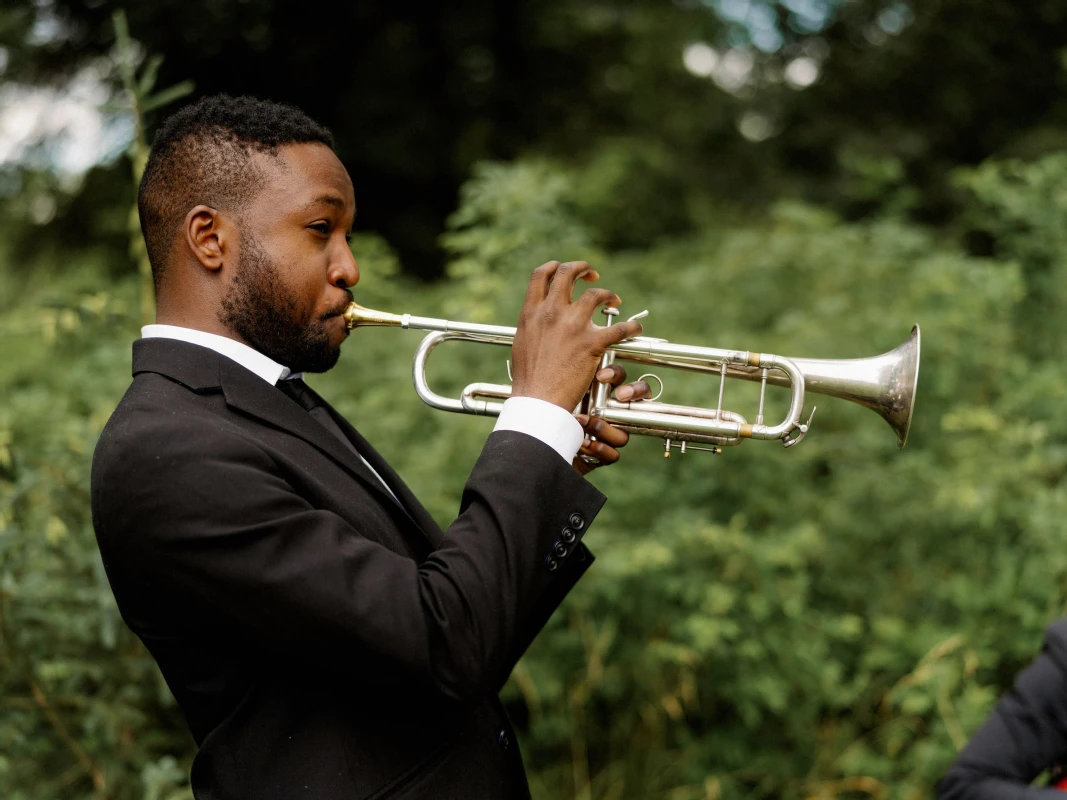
(341, 319)
(332, 314)
(337, 311)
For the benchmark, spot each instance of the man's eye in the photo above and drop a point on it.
(321, 227)
(348, 238)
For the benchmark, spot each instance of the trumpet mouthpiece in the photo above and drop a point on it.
(357, 316)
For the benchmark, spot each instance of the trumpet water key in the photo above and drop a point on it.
(885, 384)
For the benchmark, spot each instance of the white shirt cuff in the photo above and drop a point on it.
(544, 421)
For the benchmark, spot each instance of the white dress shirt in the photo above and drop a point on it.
(537, 418)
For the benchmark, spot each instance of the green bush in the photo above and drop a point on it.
(827, 621)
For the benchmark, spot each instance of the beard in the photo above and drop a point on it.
(261, 311)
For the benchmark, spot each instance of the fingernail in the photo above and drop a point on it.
(605, 374)
(625, 393)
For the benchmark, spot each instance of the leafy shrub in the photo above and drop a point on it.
(832, 620)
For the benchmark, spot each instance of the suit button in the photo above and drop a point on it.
(551, 563)
(567, 535)
(503, 740)
(559, 549)
(577, 521)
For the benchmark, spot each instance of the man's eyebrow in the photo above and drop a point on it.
(326, 199)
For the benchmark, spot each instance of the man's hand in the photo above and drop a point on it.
(557, 346)
(605, 450)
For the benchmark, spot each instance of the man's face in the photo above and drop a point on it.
(294, 266)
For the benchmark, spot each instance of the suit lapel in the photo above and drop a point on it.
(407, 498)
(252, 395)
(202, 369)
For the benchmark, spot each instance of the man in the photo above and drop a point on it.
(1025, 736)
(323, 637)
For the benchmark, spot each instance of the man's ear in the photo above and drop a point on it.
(207, 236)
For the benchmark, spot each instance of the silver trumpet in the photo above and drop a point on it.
(885, 384)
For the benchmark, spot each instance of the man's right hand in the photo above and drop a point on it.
(557, 346)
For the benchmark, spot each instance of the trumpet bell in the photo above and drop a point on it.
(886, 384)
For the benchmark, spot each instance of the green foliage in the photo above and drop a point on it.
(827, 621)
(83, 710)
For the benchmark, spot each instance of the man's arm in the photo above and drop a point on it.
(190, 519)
(1025, 735)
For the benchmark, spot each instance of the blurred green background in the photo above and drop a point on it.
(806, 177)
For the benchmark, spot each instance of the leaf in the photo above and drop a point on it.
(167, 96)
(55, 531)
(148, 76)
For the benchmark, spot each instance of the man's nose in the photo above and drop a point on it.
(344, 272)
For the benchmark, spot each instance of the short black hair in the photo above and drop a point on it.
(203, 153)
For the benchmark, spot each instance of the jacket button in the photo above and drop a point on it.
(567, 535)
(577, 521)
(503, 740)
(551, 563)
(559, 549)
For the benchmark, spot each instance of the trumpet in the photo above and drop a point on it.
(885, 384)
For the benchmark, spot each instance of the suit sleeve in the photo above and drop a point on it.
(208, 521)
(1025, 735)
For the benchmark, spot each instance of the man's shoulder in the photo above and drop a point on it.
(154, 401)
(1056, 641)
(165, 443)
(157, 416)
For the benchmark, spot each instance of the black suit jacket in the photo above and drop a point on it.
(323, 639)
(1024, 736)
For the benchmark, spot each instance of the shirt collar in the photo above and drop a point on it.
(252, 360)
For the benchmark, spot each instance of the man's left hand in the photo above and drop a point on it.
(605, 450)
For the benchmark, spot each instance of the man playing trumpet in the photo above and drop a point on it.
(323, 637)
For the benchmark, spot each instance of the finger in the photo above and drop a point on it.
(592, 299)
(567, 275)
(638, 390)
(604, 453)
(613, 375)
(606, 432)
(540, 280)
(620, 331)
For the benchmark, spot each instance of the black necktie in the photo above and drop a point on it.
(312, 403)
(306, 398)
